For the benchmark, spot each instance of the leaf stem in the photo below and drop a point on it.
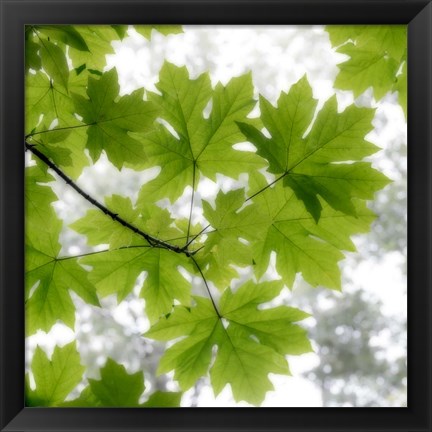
(58, 129)
(195, 236)
(101, 251)
(197, 250)
(207, 286)
(191, 205)
(266, 187)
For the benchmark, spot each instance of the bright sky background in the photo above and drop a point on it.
(277, 56)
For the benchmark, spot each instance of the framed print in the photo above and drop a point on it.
(216, 208)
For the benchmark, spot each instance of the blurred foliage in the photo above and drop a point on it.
(377, 58)
(355, 368)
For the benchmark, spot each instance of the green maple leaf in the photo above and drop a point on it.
(110, 119)
(49, 277)
(98, 41)
(50, 145)
(38, 199)
(273, 327)
(161, 399)
(116, 388)
(51, 301)
(312, 166)
(51, 102)
(66, 148)
(63, 148)
(117, 270)
(401, 87)
(161, 225)
(146, 30)
(54, 63)
(189, 230)
(387, 39)
(191, 356)
(244, 335)
(202, 145)
(366, 68)
(301, 244)
(102, 229)
(54, 378)
(121, 30)
(245, 364)
(64, 33)
(227, 241)
(32, 58)
(376, 54)
(392, 39)
(164, 283)
(278, 222)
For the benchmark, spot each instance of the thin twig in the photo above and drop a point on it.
(58, 129)
(196, 250)
(195, 236)
(101, 251)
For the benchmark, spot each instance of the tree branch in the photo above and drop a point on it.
(150, 239)
(153, 242)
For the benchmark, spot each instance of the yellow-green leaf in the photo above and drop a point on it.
(54, 378)
(54, 63)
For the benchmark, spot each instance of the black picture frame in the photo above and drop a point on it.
(16, 13)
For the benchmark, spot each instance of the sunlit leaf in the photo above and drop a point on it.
(110, 120)
(243, 334)
(323, 164)
(202, 146)
(54, 378)
(376, 55)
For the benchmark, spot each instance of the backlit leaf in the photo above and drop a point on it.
(48, 276)
(66, 34)
(301, 244)
(54, 378)
(146, 30)
(110, 120)
(243, 334)
(54, 62)
(376, 54)
(312, 165)
(117, 388)
(200, 146)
